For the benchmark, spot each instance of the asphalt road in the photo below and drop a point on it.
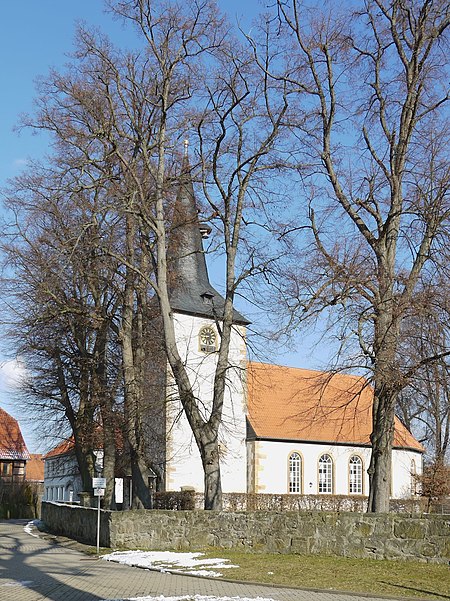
(33, 568)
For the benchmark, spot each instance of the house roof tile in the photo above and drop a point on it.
(35, 468)
(286, 403)
(64, 447)
(12, 444)
(68, 444)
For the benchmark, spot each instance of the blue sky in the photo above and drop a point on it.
(36, 35)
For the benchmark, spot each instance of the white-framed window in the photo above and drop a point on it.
(207, 339)
(295, 473)
(325, 475)
(355, 475)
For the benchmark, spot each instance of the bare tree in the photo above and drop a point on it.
(434, 484)
(232, 102)
(373, 84)
(119, 117)
(424, 404)
(60, 307)
(238, 137)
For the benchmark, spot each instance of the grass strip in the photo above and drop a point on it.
(377, 577)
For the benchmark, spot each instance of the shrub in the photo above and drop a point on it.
(434, 483)
(177, 501)
(19, 500)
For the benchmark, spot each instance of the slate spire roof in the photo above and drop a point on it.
(190, 289)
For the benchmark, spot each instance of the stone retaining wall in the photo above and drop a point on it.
(381, 536)
(79, 523)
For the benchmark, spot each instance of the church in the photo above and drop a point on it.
(284, 430)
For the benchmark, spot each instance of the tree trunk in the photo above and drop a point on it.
(109, 500)
(109, 462)
(132, 356)
(141, 497)
(381, 458)
(211, 467)
(86, 464)
(102, 395)
(387, 385)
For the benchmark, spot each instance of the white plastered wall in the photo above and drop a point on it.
(62, 481)
(404, 465)
(184, 468)
(271, 467)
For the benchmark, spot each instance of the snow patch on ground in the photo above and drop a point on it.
(181, 563)
(184, 563)
(31, 526)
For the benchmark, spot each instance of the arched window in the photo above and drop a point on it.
(325, 475)
(355, 473)
(413, 473)
(295, 473)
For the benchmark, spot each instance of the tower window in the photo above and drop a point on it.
(207, 340)
(207, 298)
(413, 473)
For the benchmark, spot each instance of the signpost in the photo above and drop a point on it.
(99, 485)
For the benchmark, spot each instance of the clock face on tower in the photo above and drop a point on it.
(207, 339)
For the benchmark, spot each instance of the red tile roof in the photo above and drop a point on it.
(64, 447)
(286, 403)
(67, 445)
(12, 444)
(34, 471)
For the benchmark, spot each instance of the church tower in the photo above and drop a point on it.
(197, 310)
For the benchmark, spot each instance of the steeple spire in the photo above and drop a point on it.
(190, 289)
(185, 248)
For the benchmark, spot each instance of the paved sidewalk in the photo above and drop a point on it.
(36, 569)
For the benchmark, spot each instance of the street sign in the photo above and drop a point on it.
(99, 485)
(98, 482)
